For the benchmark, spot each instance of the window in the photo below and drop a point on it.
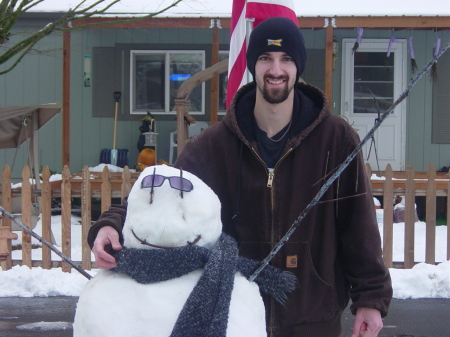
(156, 76)
(373, 79)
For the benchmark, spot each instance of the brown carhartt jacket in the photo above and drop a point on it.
(336, 250)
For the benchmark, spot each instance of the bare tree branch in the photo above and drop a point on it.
(11, 10)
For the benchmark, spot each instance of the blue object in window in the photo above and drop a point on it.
(179, 77)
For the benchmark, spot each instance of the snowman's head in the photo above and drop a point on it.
(168, 207)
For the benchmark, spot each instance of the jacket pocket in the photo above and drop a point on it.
(314, 299)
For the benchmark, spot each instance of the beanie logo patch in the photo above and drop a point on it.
(274, 42)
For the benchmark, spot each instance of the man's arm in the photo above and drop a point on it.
(105, 235)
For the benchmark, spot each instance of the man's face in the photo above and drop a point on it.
(275, 74)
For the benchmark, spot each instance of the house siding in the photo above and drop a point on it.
(38, 80)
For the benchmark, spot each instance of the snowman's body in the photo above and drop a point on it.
(114, 304)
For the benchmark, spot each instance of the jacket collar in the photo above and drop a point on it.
(310, 108)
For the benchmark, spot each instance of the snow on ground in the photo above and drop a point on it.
(423, 280)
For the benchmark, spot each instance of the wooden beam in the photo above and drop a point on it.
(150, 22)
(66, 101)
(342, 22)
(387, 22)
(328, 87)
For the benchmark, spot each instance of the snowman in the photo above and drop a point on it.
(178, 274)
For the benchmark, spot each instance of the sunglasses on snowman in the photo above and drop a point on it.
(156, 180)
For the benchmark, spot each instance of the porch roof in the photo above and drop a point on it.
(303, 8)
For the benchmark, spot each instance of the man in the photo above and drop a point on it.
(266, 161)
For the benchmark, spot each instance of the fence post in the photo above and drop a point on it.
(430, 239)
(46, 217)
(106, 190)
(26, 216)
(410, 217)
(5, 230)
(388, 217)
(86, 216)
(66, 213)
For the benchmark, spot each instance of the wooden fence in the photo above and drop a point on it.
(106, 185)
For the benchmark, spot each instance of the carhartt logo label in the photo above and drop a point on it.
(274, 42)
(291, 261)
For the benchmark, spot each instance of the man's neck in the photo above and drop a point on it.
(272, 118)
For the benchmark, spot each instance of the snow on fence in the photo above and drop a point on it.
(86, 185)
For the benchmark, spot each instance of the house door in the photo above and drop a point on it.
(371, 82)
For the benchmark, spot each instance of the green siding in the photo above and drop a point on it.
(38, 80)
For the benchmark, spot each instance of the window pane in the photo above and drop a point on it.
(373, 82)
(182, 66)
(223, 82)
(149, 82)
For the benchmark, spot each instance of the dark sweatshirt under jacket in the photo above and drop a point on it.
(335, 251)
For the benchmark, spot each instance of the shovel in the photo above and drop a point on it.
(114, 151)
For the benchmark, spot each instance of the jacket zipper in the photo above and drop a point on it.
(271, 175)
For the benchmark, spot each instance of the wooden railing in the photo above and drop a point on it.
(106, 185)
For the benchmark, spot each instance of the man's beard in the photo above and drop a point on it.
(278, 95)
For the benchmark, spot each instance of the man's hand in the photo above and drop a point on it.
(107, 239)
(368, 323)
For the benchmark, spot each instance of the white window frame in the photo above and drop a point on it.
(168, 110)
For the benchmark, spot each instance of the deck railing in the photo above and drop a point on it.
(107, 185)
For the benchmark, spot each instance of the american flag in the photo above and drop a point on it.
(257, 10)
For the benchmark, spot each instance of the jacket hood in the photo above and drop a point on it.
(310, 109)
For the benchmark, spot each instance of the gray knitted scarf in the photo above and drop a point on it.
(205, 313)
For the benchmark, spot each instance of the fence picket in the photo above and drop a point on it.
(5, 243)
(46, 208)
(388, 220)
(66, 211)
(106, 190)
(86, 216)
(410, 218)
(430, 216)
(26, 215)
(126, 182)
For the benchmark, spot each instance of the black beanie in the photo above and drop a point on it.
(277, 34)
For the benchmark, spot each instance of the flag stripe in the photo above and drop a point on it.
(238, 45)
(261, 10)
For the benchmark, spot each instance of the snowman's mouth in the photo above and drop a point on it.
(144, 242)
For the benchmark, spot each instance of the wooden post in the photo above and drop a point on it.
(328, 87)
(215, 80)
(410, 218)
(388, 215)
(46, 217)
(26, 216)
(66, 100)
(66, 208)
(86, 216)
(430, 239)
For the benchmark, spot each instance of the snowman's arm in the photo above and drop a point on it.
(114, 217)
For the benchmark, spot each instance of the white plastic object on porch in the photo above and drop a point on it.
(193, 130)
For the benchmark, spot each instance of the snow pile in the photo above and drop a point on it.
(422, 281)
(22, 281)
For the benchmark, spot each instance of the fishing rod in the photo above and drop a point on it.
(45, 242)
(342, 167)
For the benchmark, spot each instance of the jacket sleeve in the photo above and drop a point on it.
(359, 236)
(114, 217)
